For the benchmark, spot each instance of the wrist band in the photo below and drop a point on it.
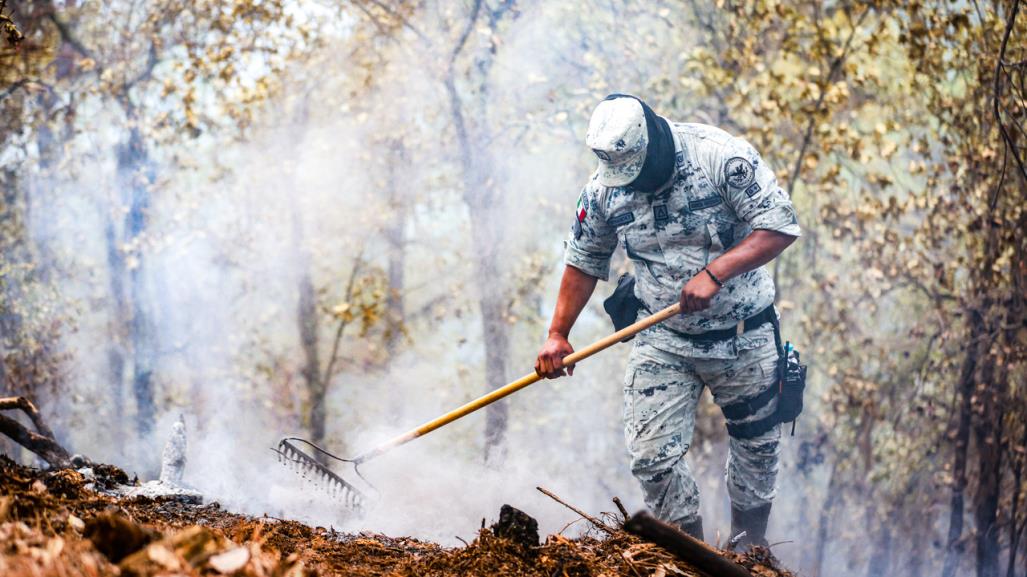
(714, 277)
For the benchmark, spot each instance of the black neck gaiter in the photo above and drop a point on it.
(659, 154)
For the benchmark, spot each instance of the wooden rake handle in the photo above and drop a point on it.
(519, 384)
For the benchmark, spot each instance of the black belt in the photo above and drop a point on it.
(764, 316)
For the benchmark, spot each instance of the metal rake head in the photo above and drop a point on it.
(318, 474)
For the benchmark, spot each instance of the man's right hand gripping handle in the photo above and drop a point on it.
(550, 359)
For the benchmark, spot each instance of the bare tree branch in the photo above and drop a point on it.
(69, 37)
(836, 66)
(459, 46)
(997, 96)
(343, 323)
(42, 443)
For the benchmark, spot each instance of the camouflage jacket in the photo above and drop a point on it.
(721, 192)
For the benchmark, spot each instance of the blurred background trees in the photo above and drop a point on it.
(344, 218)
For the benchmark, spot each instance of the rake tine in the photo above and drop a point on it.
(320, 475)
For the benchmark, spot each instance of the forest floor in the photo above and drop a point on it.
(63, 524)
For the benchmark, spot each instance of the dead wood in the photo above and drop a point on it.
(620, 507)
(598, 524)
(43, 442)
(54, 528)
(117, 537)
(518, 527)
(683, 545)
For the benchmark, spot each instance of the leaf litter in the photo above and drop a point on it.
(55, 523)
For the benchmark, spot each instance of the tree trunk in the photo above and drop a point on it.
(119, 321)
(13, 237)
(395, 236)
(494, 327)
(308, 325)
(1014, 527)
(137, 175)
(482, 200)
(824, 524)
(484, 203)
(954, 545)
(881, 552)
(306, 316)
(1017, 310)
(914, 567)
(988, 434)
(990, 386)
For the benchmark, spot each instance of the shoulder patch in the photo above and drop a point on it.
(753, 189)
(738, 172)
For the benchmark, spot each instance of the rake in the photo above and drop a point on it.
(314, 469)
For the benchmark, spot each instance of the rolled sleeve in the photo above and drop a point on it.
(588, 263)
(592, 241)
(750, 187)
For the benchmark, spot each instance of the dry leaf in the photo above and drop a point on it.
(76, 523)
(164, 557)
(230, 561)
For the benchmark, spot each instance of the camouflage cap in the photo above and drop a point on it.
(617, 135)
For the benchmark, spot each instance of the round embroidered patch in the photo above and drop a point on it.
(739, 172)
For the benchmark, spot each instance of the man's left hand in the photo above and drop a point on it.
(697, 293)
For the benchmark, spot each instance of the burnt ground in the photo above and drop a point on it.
(52, 523)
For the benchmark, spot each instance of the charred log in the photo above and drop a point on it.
(42, 442)
(517, 526)
(683, 545)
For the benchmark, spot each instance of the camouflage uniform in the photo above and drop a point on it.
(721, 192)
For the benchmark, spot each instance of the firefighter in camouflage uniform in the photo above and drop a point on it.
(699, 214)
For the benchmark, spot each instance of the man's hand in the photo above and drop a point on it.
(575, 288)
(755, 250)
(550, 359)
(698, 292)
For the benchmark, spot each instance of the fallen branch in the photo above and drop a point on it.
(593, 520)
(684, 546)
(43, 442)
(620, 507)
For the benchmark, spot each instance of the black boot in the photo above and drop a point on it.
(693, 528)
(753, 522)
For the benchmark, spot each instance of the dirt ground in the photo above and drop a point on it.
(51, 523)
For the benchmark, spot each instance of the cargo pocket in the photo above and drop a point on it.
(630, 399)
(768, 366)
(630, 395)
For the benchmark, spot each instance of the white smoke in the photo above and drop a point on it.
(223, 277)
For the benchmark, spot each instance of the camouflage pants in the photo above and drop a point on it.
(661, 394)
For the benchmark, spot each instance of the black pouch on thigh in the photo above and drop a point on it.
(788, 388)
(791, 381)
(793, 385)
(623, 305)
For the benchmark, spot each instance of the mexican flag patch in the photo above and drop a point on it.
(580, 216)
